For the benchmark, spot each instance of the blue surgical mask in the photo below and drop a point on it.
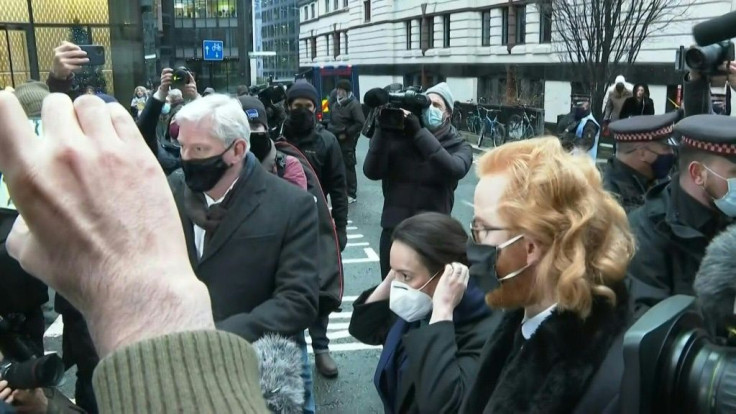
(727, 203)
(432, 118)
(166, 109)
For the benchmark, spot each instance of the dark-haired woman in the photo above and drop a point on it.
(429, 316)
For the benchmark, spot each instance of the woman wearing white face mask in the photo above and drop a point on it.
(429, 316)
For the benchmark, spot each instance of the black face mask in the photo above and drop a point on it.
(203, 174)
(299, 123)
(482, 259)
(260, 144)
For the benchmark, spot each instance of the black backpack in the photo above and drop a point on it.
(330, 265)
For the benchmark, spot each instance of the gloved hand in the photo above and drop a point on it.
(411, 124)
(342, 237)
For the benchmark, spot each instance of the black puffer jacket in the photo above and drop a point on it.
(419, 173)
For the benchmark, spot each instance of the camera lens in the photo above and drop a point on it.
(695, 59)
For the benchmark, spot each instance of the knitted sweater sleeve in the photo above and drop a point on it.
(187, 372)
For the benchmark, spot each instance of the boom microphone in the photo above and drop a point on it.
(376, 97)
(715, 30)
(280, 363)
(715, 282)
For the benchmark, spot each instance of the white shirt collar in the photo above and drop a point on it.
(529, 326)
(211, 201)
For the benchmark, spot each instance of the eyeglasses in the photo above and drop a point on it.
(479, 232)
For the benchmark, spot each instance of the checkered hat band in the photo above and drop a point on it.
(726, 149)
(661, 133)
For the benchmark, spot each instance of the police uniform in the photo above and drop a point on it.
(628, 184)
(672, 228)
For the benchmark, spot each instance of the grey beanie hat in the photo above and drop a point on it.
(443, 90)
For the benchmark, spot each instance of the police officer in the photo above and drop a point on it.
(680, 218)
(644, 155)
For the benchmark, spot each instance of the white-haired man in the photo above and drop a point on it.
(252, 236)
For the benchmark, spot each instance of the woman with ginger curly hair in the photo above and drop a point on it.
(552, 248)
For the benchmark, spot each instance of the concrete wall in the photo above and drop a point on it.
(556, 100)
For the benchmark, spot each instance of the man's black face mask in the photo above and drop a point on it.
(299, 123)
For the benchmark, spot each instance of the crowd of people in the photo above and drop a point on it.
(183, 231)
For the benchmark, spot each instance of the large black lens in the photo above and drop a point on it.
(704, 58)
(46, 371)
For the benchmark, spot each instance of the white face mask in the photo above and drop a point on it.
(727, 203)
(408, 303)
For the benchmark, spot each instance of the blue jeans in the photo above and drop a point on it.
(309, 404)
(318, 333)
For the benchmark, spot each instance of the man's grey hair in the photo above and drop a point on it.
(715, 282)
(229, 122)
(175, 94)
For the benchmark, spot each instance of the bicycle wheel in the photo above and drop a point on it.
(498, 134)
(516, 130)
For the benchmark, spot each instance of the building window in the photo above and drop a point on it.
(314, 47)
(336, 41)
(327, 43)
(430, 32)
(486, 30)
(545, 23)
(344, 3)
(407, 26)
(346, 42)
(422, 35)
(314, 14)
(327, 6)
(446, 30)
(336, 5)
(505, 26)
(520, 25)
(367, 10)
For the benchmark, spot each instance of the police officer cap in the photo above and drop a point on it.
(645, 128)
(710, 133)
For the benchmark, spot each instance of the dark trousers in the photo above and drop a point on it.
(318, 333)
(79, 350)
(385, 252)
(350, 160)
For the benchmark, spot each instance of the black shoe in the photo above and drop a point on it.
(325, 365)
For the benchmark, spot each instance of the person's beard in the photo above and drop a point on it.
(515, 293)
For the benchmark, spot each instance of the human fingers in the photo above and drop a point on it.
(59, 118)
(16, 136)
(94, 119)
(125, 128)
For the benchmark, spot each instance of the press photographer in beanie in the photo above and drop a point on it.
(346, 122)
(323, 152)
(419, 167)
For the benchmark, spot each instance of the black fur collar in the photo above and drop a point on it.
(554, 368)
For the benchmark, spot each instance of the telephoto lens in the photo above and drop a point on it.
(46, 371)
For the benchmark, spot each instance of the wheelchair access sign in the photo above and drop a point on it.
(212, 49)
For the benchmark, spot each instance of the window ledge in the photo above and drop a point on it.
(439, 52)
(334, 12)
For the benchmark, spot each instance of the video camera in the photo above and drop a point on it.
(388, 105)
(673, 366)
(713, 46)
(21, 367)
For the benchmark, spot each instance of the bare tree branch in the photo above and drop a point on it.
(599, 38)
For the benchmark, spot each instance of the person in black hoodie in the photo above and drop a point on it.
(430, 317)
(639, 104)
(419, 167)
(322, 151)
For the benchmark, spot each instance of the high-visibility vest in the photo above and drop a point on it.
(325, 106)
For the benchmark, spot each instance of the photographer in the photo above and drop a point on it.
(419, 166)
(696, 88)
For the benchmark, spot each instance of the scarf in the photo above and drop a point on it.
(209, 218)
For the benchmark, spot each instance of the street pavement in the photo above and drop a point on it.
(353, 390)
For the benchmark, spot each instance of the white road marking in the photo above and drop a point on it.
(349, 299)
(55, 330)
(467, 203)
(341, 315)
(351, 228)
(357, 244)
(371, 257)
(355, 236)
(356, 346)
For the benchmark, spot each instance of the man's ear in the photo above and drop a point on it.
(697, 173)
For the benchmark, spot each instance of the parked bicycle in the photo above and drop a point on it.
(521, 126)
(492, 129)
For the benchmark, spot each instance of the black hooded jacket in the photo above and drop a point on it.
(419, 173)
